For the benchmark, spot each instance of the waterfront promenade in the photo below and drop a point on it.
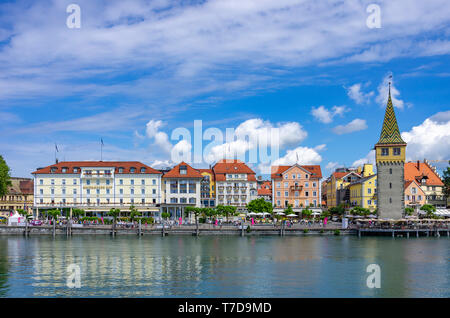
(332, 228)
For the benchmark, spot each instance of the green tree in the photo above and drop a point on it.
(54, 214)
(429, 209)
(134, 213)
(288, 210)
(25, 214)
(306, 213)
(196, 212)
(115, 214)
(226, 210)
(339, 210)
(260, 206)
(409, 211)
(357, 210)
(76, 213)
(446, 180)
(5, 178)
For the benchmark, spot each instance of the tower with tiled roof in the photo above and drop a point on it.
(390, 159)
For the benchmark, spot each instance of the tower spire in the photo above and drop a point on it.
(390, 134)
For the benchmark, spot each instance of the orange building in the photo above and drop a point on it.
(429, 180)
(265, 190)
(298, 186)
(414, 195)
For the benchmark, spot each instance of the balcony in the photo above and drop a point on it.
(296, 188)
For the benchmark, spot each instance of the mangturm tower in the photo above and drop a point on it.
(390, 159)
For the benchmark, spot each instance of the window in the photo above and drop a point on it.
(314, 184)
(121, 181)
(154, 191)
(74, 191)
(64, 170)
(75, 170)
(107, 182)
(385, 151)
(52, 181)
(390, 185)
(286, 176)
(192, 200)
(154, 181)
(41, 182)
(296, 193)
(306, 176)
(286, 184)
(314, 193)
(369, 202)
(369, 191)
(419, 197)
(390, 170)
(286, 194)
(132, 191)
(88, 182)
(132, 170)
(88, 191)
(278, 194)
(183, 169)
(121, 191)
(107, 191)
(63, 181)
(64, 191)
(97, 182)
(299, 176)
(390, 200)
(120, 170)
(293, 176)
(278, 203)
(143, 201)
(142, 191)
(143, 171)
(74, 181)
(278, 184)
(306, 184)
(173, 200)
(397, 151)
(53, 191)
(143, 181)
(41, 191)
(306, 193)
(132, 181)
(98, 191)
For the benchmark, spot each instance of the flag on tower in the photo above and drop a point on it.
(56, 148)
(101, 139)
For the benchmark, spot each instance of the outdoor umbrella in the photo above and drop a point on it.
(280, 213)
(292, 215)
(251, 213)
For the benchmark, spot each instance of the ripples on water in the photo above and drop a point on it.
(224, 266)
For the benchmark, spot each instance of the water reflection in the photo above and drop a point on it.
(224, 266)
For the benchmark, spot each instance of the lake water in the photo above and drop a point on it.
(311, 266)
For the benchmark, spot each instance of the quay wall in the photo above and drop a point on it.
(189, 231)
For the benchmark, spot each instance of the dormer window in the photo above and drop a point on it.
(53, 169)
(183, 169)
(121, 170)
(385, 151)
(396, 151)
(143, 170)
(75, 170)
(64, 169)
(132, 170)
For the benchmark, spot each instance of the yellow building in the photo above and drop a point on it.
(208, 188)
(363, 192)
(336, 186)
(20, 196)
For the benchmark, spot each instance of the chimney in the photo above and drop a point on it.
(418, 164)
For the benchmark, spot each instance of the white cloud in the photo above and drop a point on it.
(356, 94)
(429, 140)
(331, 166)
(355, 125)
(370, 158)
(300, 155)
(190, 41)
(252, 133)
(160, 138)
(383, 93)
(326, 116)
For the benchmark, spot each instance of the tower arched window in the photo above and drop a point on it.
(390, 185)
(390, 170)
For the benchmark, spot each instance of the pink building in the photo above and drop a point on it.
(298, 186)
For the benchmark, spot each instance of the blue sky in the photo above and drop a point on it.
(136, 70)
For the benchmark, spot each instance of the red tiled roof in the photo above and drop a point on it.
(190, 173)
(415, 170)
(225, 166)
(315, 170)
(205, 170)
(70, 165)
(264, 191)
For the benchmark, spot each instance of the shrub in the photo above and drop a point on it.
(337, 232)
(305, 230)
(322, 231)
(248, 229)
